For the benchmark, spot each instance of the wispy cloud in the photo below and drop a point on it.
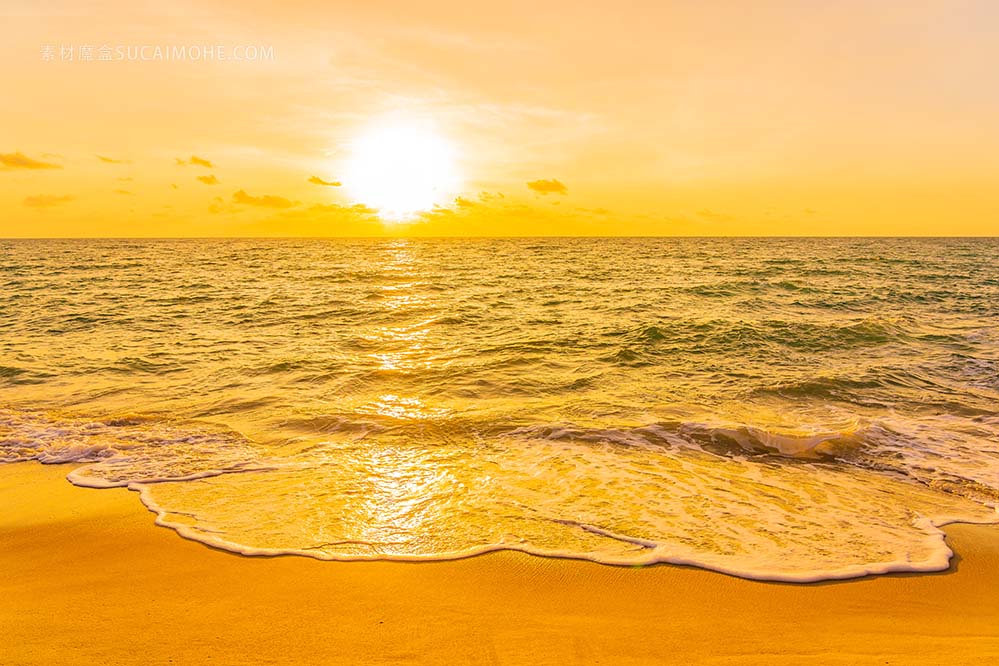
(265, 201)
(546, 187)
(316, 180)
(22, 161)
(209, 180)
(195, 161)
(111, 160)
(484, 198)
(46, 200)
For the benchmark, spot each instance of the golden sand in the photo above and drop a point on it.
(85, 578)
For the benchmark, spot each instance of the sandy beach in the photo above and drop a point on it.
(88, 579)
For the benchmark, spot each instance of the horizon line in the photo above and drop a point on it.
(498, 237)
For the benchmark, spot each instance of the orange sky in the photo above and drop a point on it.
(659, 118)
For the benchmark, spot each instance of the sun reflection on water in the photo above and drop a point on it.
(401, 483)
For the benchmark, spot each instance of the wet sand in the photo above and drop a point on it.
(86, 578)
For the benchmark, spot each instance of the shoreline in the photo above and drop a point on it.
(88, 578)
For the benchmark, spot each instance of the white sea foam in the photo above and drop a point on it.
(760, 506)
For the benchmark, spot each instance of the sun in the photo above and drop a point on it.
(401, 169)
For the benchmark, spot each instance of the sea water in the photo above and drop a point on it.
(785, 409)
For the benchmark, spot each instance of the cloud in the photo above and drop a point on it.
(546, 187)
(316, 180)
(265, 201)
(195, 161)
(46, 200)
(22, 161)
(353, 209)
(517, 218)
(209, 180)
(482, 199)
(125, 192)
(111, 160)
(712, 216)
(325, 219)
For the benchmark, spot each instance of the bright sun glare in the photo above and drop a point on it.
(401, 169)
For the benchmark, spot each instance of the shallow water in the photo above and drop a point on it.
(790, 409)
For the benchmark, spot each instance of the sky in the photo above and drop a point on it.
(554, 118)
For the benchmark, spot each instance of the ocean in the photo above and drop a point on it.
(777, 409)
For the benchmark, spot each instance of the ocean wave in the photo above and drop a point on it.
(124, 449)
(721, 439)
(746, 335)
